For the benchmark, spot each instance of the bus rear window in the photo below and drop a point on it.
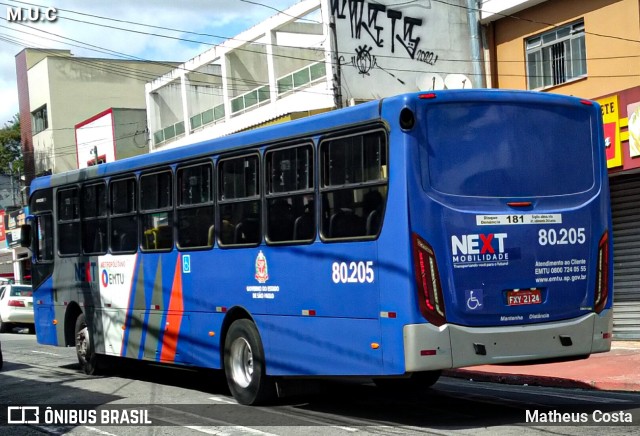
(507, 150)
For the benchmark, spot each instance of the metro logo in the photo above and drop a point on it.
(478, 244)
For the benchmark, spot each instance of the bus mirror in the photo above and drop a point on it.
(25, 235)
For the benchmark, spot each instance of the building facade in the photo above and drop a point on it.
(56, 91)
(111, 135)
(589, 49)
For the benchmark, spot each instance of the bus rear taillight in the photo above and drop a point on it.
(428, 282)
(602, 274)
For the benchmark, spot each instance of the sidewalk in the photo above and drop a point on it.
(617, 370)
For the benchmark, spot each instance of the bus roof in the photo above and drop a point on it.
(307, 126)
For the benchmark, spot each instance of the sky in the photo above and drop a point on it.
(116, 29)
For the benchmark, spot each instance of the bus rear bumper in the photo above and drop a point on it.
(427, 347)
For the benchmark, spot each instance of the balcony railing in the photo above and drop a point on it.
(248, 100)
(207, 117)
(301, 78)
(168, 132)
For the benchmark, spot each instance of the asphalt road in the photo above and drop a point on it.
(190, 402)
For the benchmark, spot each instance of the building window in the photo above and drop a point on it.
(39, 120)
(556, 57)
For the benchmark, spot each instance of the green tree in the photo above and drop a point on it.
(10, 149)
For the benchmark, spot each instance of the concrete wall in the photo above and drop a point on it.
(388, 47)
(131, 133)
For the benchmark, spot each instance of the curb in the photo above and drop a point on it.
(519, 379)
(544, 381)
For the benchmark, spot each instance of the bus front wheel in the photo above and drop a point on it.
(244, 365)
(85, 348)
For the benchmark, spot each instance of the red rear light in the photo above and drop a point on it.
(428, 282)
(601, 293)
(16, 303)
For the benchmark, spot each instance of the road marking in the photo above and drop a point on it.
(44, 352)
(224, 400)
(206, 430)
(319, 421)
(211, 430)
(234, 428)
(102, 432)
(57, 431)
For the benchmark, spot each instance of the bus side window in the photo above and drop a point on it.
(123, 237)
(290, 195)
(94, 218)
(44, 230)
(195, 225)
(239, 200)
(353, 185)
(69, 239)
(156, 211)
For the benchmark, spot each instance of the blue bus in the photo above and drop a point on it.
(389, 240)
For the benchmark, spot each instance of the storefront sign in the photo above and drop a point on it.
(634, 129)
(611, 120)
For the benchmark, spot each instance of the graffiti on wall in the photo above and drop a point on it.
(379, 20)
(402, 41)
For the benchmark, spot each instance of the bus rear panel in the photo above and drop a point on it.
(511, 230)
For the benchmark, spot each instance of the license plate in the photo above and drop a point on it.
(523, 297)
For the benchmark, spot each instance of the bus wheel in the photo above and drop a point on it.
(245, 366)
(417, 382)
(85, 347)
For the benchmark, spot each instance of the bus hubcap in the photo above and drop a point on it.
(82, 343)
(241, 362)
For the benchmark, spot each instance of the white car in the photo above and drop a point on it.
(16, 307)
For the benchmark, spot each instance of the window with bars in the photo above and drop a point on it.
(556, 57)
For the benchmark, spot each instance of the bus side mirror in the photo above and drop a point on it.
(25, 235)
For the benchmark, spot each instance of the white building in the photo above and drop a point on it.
(316, 56)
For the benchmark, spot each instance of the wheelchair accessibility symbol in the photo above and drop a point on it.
(474, 298)
(186, 264)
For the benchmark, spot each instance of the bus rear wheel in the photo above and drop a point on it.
(244, 365)
(85, 348)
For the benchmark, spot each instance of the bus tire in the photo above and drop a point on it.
(415, 383)
(85, 347)
(244, 365)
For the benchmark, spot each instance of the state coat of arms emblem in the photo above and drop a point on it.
(262, 271)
